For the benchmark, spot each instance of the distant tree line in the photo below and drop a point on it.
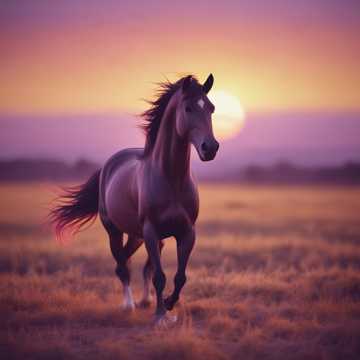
(23, 170)
(45, 170)
(283, 172)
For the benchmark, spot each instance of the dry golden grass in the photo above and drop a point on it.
(275, 275)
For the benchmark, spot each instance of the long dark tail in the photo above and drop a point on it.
(76, 207)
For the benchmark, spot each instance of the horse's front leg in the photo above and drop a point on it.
(147, 276)
(152, 241)
(185, 244)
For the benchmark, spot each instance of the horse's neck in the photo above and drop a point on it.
(171, 153)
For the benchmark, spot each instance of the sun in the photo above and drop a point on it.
(229, 115)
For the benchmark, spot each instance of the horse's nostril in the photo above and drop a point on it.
(204, 147)
(217, 146)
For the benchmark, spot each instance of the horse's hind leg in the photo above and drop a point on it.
(132, 244)
(147, 276)
(122, 255)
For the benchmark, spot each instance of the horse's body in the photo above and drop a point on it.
(149, 194)
(168, 205)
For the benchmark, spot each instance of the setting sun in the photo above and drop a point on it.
(229, 114)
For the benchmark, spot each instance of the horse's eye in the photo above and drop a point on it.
(188, 109)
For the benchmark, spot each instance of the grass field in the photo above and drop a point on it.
(275, 274)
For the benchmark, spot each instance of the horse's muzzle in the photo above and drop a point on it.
(209, 150)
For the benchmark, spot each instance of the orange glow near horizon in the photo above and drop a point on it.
(110, 65)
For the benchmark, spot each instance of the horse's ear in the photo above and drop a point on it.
(208, 84)
(186, 83)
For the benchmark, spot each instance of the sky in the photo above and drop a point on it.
(95, 56)
(74, 74)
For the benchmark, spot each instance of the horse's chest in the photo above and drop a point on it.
(172, 219)
(172, 215)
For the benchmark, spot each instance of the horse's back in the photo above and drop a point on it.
(120, 158)
(118, 190)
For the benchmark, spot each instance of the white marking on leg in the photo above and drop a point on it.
(201, 103)
(128, 298)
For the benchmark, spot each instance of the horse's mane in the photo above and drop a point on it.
(152, 117)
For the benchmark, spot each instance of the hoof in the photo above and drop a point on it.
(169, 304)
(165, 321)
(143, 304)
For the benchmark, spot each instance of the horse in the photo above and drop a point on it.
(149, 193)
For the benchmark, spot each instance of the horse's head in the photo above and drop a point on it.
(193, 117)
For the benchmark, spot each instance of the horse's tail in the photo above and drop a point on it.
(76, 207)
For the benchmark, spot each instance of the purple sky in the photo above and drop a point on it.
(293, 65)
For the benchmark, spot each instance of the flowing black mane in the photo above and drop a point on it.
(152, 117)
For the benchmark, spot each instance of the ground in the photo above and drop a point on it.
(275, 274)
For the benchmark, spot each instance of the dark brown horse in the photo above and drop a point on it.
(149, 193)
